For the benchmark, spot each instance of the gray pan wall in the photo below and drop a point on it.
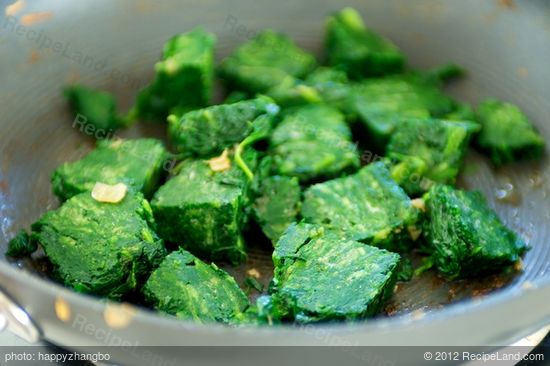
(505, 45)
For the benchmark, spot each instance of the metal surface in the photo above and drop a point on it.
(16, 320)
(504, 45)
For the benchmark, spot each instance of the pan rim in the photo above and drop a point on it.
(150, 317)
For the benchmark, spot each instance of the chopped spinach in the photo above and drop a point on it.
(465, 236)
(183, 80)
(321, 276)
(203, 209)
(277, 205)
(507, 135)
(268, 60)
(313, 142)
(357, 50)
(367, 206)
(94, 108)
(427, 151)
(101, 248)
(21, 245)
(188, 288)
(207, 132)
(139, 163)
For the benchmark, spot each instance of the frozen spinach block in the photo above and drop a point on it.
(462, 112)
(294, 93)
(188, 288)
(327, 76)
(236, 96)
(368, 206)
(137, 163)
(324, 85)
(268, 310)
(425, 151)
(465, 236)
(333, 87)
(320, 276)
(405, 270)
(264, 62)
(507, 135)
(21, 245)
(380, 103)
(277, 205)
(207, 132)
(106, 249)
(202, 208)
(94, 108)
(183, 79)
(357, 50)
(313, 142)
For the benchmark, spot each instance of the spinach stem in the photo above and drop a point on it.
(240, 161)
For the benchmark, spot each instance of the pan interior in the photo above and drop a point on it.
(504, 48)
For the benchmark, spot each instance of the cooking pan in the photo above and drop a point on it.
(504, 45)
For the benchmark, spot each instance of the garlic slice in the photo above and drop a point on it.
(419, 204)
(109, 193)
(220, 163)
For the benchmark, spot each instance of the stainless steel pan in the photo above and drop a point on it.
(504, 44)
